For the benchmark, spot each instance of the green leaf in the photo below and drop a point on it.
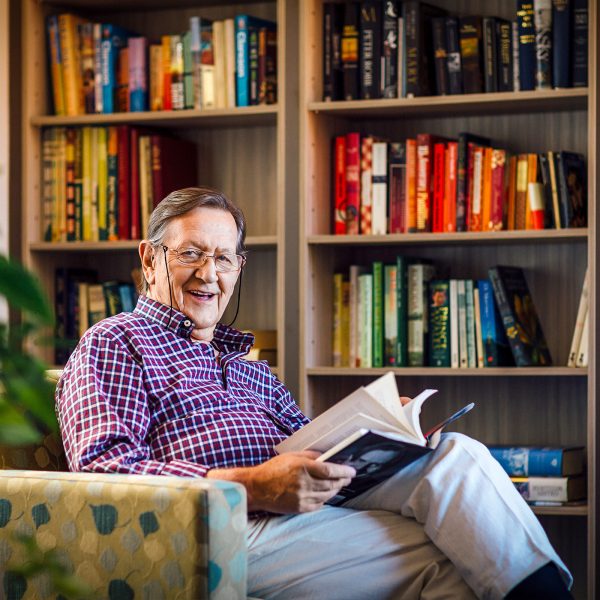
(14, 585)
(23, 291)
(5, 511)
(105, 518)
(118, 589)
(148, 523)
(40, 515)
(15, 429)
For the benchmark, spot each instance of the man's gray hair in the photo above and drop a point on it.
(181, 202)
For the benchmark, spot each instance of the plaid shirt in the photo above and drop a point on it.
(138, 396)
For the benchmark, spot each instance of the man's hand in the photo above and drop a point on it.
(293, 482)
(404, 400)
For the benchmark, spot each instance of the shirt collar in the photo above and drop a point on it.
(226, 339)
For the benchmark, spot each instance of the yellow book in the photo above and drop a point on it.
(337, 341)
(56, 70)
(220, 64)
(156, 77)
(166, 70)
(532, 161)
(102, 146)
(146, 196)
(94, 184)
(60, 233)
(71, 63)
(86, 184)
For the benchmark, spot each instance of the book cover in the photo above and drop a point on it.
(370, 55)
(390, 314)
(439, 187)
(561, 42)
(504, 55)
(352, 182)
(440, 55)
(471, 52)
(549, 209)
(580, 43)
(439, 323)
(419, 276)
(372, 431)
(556, 489)
(490, 55)
(378, 333)
(397, 187)
(113, 39)
(543, 43)
(572, 184)
(340, 199)
(497, 191)
(333, 79)
(350, 52)
(534, 461)
(390, 59)
(86, 55)
(411, 185)
(579, 321)
(454, 63)
(71, 63)
(527, 48)
(55, 64)
(366, 184)
(379, 189)
(495, 344)
(519, 317)
(138, 68)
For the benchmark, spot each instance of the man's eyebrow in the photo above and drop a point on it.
(203, 247)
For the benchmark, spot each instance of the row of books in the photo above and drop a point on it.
(102, 183)
(401, 315)
(81, 301)
(103, 68)
(375, 49)
(545, 476)
(431, 183)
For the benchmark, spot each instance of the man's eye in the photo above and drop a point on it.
(189, 254)
(225, 259)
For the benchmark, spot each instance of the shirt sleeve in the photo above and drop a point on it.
(104, 416)
(286, 407)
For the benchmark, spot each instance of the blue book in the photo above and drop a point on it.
(113, 39)
(527, 59)
(495, 344)
(128, 297)
(580, 43)
(561, 43)
(243, 25)
(530, 461)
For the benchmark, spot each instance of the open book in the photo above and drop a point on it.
(372, 431)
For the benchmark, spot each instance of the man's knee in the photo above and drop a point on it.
(459, 442)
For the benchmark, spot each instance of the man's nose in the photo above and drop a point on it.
(207, 271)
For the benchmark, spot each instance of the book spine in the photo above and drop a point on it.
(529, 462)
(402, 281)
(478, 332)
(411, 185)
(56, 67)
(253, 65)
(390, 314)
(98, 93)
(440, 53)
(48, 152)
(378, 334)
(366, 185)
(188, 79)
(454, 341)
(112, 41)
(102, 182)
(365, 322)
(504, 55)
(471, 54)
(112, 298)
(462, 162)
(515, 56)
(547, 185)
(242, 62)
(566, 213)
(354, 316)
(339, 186)
(475, 213)
(498, 190)
(230, 60)
(453, 57)
(391, 42)
(60, 184)
(397, 187)
(555, 489)
(86, 54)
(352, 182)
(156, 77)
(112, 184)
(370, 49)
(69, 52)
(470, 309)
(135, 211)
(580, 43)
(486, 190)
(138, 84)
(124, 182)
(424, 181)
(176, 66)
(579, 321)
(461, 302)
(521, 192)
(379, 188)
(543, 44)
(490, 60)
(122, 88)
(583, 350)
(167, 98)
(350, 50)
(412, 66)
(439, 187)
(439, 323)
(328, 24)
(337, 341)
(220, 67)
(70, 182)
(527, 59)
(415, 313)
(556, 208)
(561, 43)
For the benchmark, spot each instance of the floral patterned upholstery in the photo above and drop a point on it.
(126, 536)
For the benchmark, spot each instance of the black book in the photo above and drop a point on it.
(453, 56)
(350, 50)
(471, 54)
(580, 43)
(504, 52)
(549, 222)
(490, 77)
(389, 65)
(333, 80)
(419, 70)
(371, 12)
(572, 185)
(527, 60)
(561, 43)
(440, 55)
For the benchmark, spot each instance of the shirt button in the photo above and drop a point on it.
(187, 322)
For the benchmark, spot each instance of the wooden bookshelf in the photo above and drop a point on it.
(227, 141)
(541, 406)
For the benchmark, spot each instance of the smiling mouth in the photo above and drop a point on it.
(202, 295)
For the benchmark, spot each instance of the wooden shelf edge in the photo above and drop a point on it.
(561, 511)
(509, 102)
(258, 241)
(466, 237)
(448, 372)
(248, 115)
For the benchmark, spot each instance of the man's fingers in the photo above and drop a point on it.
(327, 470)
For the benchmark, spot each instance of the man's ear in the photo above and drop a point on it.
(148, 261)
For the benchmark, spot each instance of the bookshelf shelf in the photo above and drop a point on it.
(564, 511)
(447, 372)
(265, 241)
(471, 104)
(120, 5)
(503, 237)
(249, 116)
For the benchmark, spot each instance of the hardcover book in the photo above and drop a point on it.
(572, 184)
(561, 43)
(350, 50)
(527, 59)
(496, 351)
(532, 461)
(543, 44)
(470, 33)
(333, 80)
(371, 14)
(490, 58)
(440, 55)
(504, 55)
(551, 489)
(580, 43)
(390, 58)
(371, 431)
(439, 323)
(453, 57)
(519, 317)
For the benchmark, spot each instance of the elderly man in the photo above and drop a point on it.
(165, 390)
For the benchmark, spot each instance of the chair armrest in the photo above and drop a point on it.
(159, 536)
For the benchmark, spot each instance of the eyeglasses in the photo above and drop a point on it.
(224, 262)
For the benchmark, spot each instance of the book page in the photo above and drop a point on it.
(411, 412)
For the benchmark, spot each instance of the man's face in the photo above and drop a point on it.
(201, 293)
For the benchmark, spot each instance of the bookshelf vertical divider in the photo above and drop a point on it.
(543, 407)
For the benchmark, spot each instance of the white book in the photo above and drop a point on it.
(454, 353)
(478, 335)
(355, 271)
(379, 189)
(579, 321)
(366, 184)
(463, 353)
(584, 342)
(230, 63)
(365, 320)
(220, 64)
(471, 342)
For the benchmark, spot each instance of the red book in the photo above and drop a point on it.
(339, 185)
(498, 189)
(352, 182)
(469, 187)
(411, 185)
(397, 187)
(134, 149)
(439, 187)
(449, 211)
(124, 181)
(425, 143)
(174, 165)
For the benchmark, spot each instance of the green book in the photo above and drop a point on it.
(439, 323)
(390, 314)
(377, 314)
(402, 314)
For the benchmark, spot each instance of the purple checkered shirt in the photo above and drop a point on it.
(139, 396)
